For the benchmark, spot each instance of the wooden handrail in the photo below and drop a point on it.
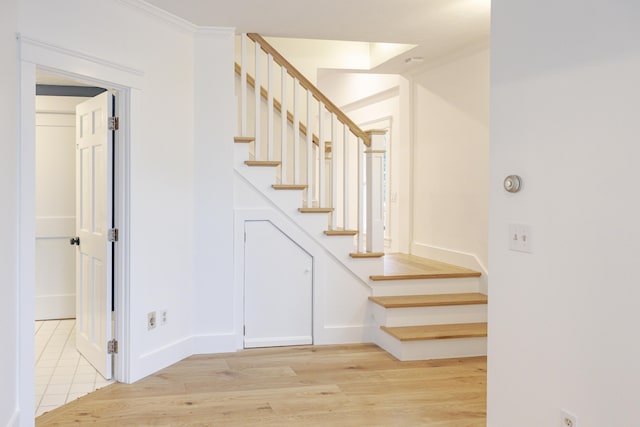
(304, 82)
(264, 93)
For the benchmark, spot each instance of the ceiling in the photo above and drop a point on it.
(437, 27)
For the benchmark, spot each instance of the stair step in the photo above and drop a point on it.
(437, 332)
(243, 139)
(289, 186)
(267, 163)
(366, 254)
(404, 301)
(315, 210)
(341, 232)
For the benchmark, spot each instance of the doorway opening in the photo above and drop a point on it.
(74, 294)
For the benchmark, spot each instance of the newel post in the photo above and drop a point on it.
(375, 188)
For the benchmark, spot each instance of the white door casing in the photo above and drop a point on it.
(278, 297)
(94, 213)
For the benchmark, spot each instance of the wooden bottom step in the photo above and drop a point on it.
(437, 332)
(436, 300)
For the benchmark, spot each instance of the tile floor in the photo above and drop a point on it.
(61, 373)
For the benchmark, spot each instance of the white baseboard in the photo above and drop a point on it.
(160, 358)
(218, 343)
(451, 256)
(55, 307)
(331, 335)
(14, 420)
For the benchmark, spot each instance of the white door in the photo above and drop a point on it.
(94, 201)
(278, 288)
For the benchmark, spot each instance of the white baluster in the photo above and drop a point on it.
(375, 187)
(258, 102)
(321, 153)
(361, 210)
(310, 187)
(283, 114)
(243, 84)
(296, 134)
(345, 176)
(334, 172)
(270, 107)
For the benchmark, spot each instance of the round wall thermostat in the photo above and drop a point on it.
(512, 183)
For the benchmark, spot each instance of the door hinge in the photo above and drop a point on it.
(114, 123)
(244, 330)
(112, 235)
(112, 347)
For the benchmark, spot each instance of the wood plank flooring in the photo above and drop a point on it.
(351, 385)
(404, 267)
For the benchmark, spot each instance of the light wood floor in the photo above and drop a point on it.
(355, 385)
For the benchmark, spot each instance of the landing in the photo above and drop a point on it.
(403, 267)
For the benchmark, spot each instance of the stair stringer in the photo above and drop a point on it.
(288, 202)
(341, 310)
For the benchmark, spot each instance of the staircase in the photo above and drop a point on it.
(325, 174)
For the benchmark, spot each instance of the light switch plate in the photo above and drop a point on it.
(520, 238)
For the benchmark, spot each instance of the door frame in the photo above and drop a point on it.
(127, 83)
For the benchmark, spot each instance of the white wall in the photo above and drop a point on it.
(8, 214)
(563, 321)
(171, 150)
(451, 159)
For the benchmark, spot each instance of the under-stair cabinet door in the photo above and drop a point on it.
(278, 288)
(94, 201)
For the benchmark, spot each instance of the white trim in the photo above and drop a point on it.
(63, 61)
(160, 15)
(371, 99)
(32, 54)
(15, 418)
(451, 256)
(214, 343)
(214, 31)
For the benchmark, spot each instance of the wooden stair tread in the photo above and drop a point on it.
(243, 139)
(434, 300)
(341, 232)
(437, 332)
(315, 210)
(408, 267)
(289, 186)
(366, 254)
(267, 163)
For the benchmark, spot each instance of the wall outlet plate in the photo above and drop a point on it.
(151, 320)
(163, 317)
(568, 419)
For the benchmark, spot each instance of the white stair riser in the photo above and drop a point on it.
(431, 349)
(425, 286)
(441, 315)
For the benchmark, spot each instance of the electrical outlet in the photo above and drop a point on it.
(163, 317)
(568, 419)
(151, 320)
(520, 238)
